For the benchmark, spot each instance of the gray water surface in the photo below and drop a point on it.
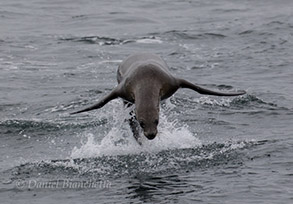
(60, 56)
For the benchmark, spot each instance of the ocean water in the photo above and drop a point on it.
(60, 56)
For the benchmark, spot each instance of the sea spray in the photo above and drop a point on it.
(119, 139)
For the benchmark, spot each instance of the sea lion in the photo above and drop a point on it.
(145, 80)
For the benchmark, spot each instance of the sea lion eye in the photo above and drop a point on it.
(142, 124)
(156, 121)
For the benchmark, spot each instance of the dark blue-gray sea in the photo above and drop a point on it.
(57, 57)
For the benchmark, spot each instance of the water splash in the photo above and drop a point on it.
(225, 102)
(120, 141)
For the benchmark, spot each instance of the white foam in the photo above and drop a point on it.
(205, 100)
(120, 141)
(149, 41)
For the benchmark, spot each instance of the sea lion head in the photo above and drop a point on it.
(148, 118)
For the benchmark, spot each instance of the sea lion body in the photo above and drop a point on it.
(149, 71)
(144, 80)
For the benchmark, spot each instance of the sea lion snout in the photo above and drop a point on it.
(147, 115)
(149, 129)
(151, 135)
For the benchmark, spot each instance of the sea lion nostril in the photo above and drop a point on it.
(151, 136)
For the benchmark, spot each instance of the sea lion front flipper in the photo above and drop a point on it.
(186, 84)
(112, 95)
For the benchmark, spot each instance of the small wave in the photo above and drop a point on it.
(150, 40)
(270, 29)
(187, 35)
(29, 126)
(114, 166)
(251, 101)
(118, 154)
(239, 102)
(231, 10)
(113, 41)
(256, 32)
(81, 102)
(94, 40)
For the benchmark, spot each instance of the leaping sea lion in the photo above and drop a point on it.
(145, 80)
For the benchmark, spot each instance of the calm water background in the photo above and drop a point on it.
(59, 56)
